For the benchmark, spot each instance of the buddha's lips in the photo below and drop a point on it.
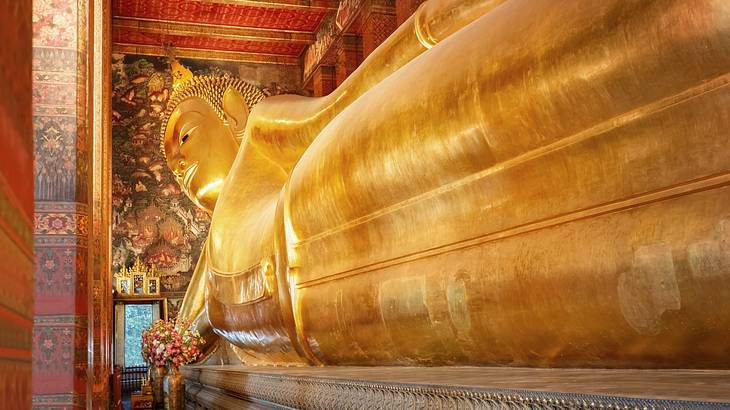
(189, 174)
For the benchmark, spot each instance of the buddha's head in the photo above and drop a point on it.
(201, 131)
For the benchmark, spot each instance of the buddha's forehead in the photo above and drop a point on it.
(195, 106)
(191, 109)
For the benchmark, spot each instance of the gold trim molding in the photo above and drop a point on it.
(205, 54)
(283, 4)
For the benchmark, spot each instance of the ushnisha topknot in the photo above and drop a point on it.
(208, 88)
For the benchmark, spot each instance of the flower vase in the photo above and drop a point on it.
(158, 375)
(175, 389)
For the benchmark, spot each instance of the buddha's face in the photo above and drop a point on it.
(200, 149)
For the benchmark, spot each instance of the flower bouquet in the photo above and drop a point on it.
(171, 344)
(168, 343)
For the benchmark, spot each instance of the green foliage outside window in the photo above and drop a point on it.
(136, 319)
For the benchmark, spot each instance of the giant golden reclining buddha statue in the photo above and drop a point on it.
(522, 182)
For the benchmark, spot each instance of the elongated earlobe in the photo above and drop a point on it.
(236, 111)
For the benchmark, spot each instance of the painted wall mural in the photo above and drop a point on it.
(151, 216)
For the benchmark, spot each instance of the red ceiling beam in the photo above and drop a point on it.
(211, 31)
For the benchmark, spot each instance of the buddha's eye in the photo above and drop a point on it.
(184, 138)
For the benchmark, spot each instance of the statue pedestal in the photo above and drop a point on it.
(218, 387)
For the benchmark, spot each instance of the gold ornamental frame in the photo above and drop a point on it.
(138, 280)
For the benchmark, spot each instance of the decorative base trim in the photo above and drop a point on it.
(226, 387)
(59, 401)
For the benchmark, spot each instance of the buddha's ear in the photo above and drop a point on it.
(236, 110)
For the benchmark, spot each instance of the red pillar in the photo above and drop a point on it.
(323, 80)
(16, 206)
(349, 56)
(404, 9)
(378, 23)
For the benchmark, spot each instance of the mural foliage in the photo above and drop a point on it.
(152, 217)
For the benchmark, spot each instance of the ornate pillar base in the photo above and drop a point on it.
(223, 387)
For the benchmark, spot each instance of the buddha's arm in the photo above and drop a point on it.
(193, 307)
(194, 301)
(284, 126)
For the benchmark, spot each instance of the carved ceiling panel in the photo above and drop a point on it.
(299, 19)
(275, 31)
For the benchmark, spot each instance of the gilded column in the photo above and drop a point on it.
(99, 145)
